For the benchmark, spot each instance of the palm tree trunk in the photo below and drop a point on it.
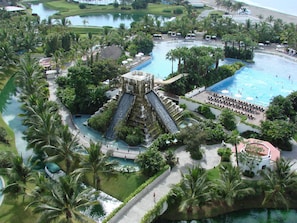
(236, 153)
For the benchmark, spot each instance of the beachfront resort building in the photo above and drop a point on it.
(255, 155)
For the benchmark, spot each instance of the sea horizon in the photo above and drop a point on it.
(285, 6)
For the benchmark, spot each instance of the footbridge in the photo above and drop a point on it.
(171, 80)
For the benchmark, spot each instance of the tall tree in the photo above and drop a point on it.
(19, 175)
(193, 189)
(279, 182)
(65, 202)
(63, 149)
(151, 161)
(230, 186)
(96, 162)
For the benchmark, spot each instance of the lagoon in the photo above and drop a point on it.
(98, 20)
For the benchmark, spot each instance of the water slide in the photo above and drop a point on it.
(125, 103)
(162, 112)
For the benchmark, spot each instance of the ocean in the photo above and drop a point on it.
(285, 6)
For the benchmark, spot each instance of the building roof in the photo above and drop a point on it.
(14, 9)
(258, 147)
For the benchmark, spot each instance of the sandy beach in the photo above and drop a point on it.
(256, 11)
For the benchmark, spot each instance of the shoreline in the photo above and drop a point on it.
(256, 11)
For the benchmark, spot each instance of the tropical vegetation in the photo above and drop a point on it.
(83, 91)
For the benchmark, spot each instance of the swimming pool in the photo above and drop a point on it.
(257, 83)
(159, 66)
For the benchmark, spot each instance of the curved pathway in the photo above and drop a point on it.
(146, 203)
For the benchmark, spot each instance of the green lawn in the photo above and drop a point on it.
(122, 185)
(13, 210)
(10, 136)
(213, 174)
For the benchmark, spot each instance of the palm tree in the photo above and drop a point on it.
(234, 138)
(19, 174)
(170, 158)
(63, 149)
(193, 189)
(230, 185)
(279, 182)
(42, 131)
(65, 201)
(29, 77)
(96, 162)
(8, 57)
(218, 54)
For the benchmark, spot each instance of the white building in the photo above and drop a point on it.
(255, 155)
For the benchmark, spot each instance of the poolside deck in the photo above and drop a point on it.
(254, 118)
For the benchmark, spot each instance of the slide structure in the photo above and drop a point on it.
(162, 112)
(125, 103)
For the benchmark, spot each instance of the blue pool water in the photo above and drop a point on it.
(11, 117)
(159, 65)
(257, 83)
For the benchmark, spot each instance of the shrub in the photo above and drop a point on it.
(205, 111)
(250, 134)
(133, 136)
(183, 106)
(82, 6)
(178, 11)
(116, 5)
(196, 154)
(3, 135)
(167, 11)
(225, 154)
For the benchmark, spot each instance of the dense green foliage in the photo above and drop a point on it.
(144, 43)
(225, 154)
(101, 121)
(280, 125)
(201, 65)
(81, 91)
(206, 112)
(227, 119)
(150, 162)
(133, 136)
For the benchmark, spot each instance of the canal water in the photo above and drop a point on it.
(110, 19)
(248, 216)
(10, 108)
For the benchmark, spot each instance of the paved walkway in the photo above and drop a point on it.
(147, 202)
